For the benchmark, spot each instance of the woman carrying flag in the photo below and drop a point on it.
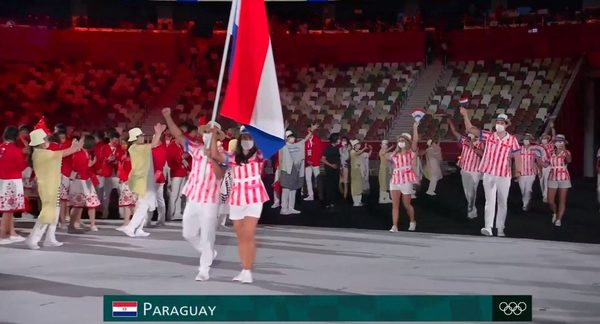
(247, 196)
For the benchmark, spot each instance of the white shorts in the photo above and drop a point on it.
(404, 188)
(239, 212)
(559, 184)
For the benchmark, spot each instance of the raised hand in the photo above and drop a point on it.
(159, 128)
(463, 111)
(166, 112)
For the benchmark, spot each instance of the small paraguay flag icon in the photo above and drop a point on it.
(124, 309)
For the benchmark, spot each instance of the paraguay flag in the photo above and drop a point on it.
(252, 96)
(124, 309)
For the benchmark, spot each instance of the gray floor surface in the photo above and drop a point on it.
(66, 284)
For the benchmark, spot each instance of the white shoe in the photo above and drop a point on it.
(94, 228)
(120, 228)
(358, 205)
(276, 205)
(203, 275)
(53, 243)
(412, 226)
(128, 232)
(238, 277)
(501, 233)
(17, 238)
(31, 245)
(558, 223)
(472, 214)
(284, 212)
(294, 212)
(245, 276)
(553, 218)
(309, 198)
(140, 233)
(486, 231)
(431, 193)
(394, 229)
(6, 241)
(525, 208)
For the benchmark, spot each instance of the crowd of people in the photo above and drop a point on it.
(212, 173)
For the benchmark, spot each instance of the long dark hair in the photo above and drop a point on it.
(240, 157)
(10, 133)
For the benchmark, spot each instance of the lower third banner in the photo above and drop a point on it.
(319, 308)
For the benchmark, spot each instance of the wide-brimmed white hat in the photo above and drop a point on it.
(354, 142)
(406, 136)
(134, 133)
(37, 137)
(288, 133)
(504, 118)
(561, 138)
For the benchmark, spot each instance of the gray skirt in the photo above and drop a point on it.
(293, 180)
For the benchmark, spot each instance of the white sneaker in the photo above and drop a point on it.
(294, 212)
(94, 228)
(128, 232)
(17, 238)
(501, 233)
(284, 212)
(394, 229)
(31, 245)
(525, 208)
(558, 223)
(6, 241)
(238, 277)
(412, 226)
(472, 214)
(431, 193)
(486, 231)
(358, 205)
(53, 243)
(309, 198)
(553, 218)
(141, 233)
(276, 205)
(120, 228)
(203, 275)
(244, 277)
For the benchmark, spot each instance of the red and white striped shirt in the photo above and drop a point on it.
(248, 187)
(558, 167)
(403, 168)
(469, 160)
(528, 165)
(497, 154)
(548, 149)
(201, 187)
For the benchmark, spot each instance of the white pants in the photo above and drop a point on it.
(526, 186)
(311, 171)
(544, 182)
(496, 190)
(142, 208)
(39, 229)
(160, 205)
(433, 184)
(175, 198)
(105, 188)
(470, 182)
(288, 199)
(199, 229)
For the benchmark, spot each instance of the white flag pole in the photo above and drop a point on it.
(232, 13)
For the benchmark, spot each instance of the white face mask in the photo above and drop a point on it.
(247, 144)
(401, 145)
(291, 140)
(206, 138)
(500, 128)
(344, 143)
(525, 142)
(544, 141)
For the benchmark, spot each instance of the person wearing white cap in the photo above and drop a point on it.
(141, 179)
(203, 191)
(470, 157)
(356, 176)
(404, 177)
(500, 147)
(530, 165)
(559, 180)
(46, 165)
(548, 146)
(290, 172)
(384, 172)
(433, 156)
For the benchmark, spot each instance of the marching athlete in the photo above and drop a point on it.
(559, 180)
(548, 146)
(500, 147)
(530, 165)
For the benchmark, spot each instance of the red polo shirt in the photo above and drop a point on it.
(12, 162)
(175, 160)
(159, 158)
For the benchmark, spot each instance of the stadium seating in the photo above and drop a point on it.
(359, 101)
(79, 93)
(526, 91)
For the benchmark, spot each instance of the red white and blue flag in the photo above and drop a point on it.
(252, 96)
(124, 309)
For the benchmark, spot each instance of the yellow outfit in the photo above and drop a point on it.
(356, 181)
(384, 179)
(141, 168)
(46, 165)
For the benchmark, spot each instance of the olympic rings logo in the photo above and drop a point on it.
(512, 308)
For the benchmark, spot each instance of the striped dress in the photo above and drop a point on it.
(558, 167)
(403, 168)
(248, 187)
